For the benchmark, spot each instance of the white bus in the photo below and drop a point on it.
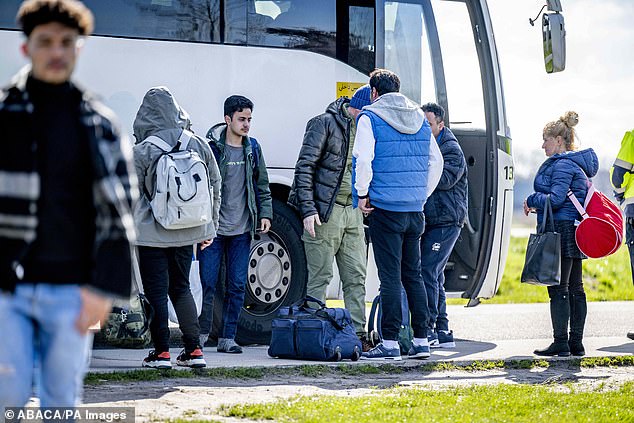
(292, 58)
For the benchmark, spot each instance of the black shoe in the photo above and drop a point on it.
(630, 335)
(576, 348)
(193, 359)
(157, 360)
(555, 349)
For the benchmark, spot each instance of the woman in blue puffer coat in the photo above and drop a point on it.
(564, 169)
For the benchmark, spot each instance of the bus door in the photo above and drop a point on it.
(443, 52)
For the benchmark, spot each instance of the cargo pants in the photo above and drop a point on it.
(341, 238)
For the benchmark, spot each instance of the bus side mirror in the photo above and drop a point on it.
(554, 37)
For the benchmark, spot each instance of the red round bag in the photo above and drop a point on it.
(600, 233)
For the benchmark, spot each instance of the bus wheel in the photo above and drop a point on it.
(276, 276)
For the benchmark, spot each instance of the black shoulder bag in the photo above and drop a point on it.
(542, 265)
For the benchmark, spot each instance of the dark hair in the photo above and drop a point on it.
(436, 109)
(384, 81)
(70, 13)
(237, 103)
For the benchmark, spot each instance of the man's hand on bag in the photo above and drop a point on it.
(364, 206)
(206, 244)
(265, 225)
(309, 224)
(94, 308)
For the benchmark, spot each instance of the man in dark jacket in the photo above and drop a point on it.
(65, 221)
(445, 212)
(322, 192)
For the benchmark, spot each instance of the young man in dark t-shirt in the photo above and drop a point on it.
(246, 207)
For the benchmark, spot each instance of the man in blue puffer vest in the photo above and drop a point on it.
(398, 165)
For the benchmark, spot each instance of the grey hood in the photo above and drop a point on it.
(159, 111)
(161, 116)
(399, 112)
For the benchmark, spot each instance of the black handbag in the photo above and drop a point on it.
(542, 265)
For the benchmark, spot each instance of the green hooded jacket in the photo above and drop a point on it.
(259, 198)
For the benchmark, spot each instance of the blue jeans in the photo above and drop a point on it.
(236, 250)
(436, 246)
(396, 244)
(37, 324)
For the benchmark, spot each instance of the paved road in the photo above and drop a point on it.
(486, 332)
(488, 322)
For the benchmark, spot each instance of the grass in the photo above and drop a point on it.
(153, 374)
(499, 403)
(618, 361)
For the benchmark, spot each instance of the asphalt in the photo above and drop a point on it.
(487, 332)
(110, 360)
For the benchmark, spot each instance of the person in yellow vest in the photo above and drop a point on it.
(622, 177)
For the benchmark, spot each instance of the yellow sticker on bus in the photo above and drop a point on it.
(346, 89)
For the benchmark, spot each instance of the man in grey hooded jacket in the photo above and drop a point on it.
(398, 165)
(165, 255)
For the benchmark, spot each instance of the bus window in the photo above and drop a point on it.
(8, 10)
(407, 50)
(182, 20)
(297, 24)
(361, 38)
(235, 19)
(462, 68)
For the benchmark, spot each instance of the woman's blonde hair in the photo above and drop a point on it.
(565, 128)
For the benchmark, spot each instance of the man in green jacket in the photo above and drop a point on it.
(246, 207)
(322, 193)
(622, 177)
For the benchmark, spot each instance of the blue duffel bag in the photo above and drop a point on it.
(308, 333)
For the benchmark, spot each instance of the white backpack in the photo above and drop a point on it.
(182, 196)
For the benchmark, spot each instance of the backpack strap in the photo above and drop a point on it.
(183, 140)
(591, 191)
(153, 139)
(255, 148)
(374, 310)
(181, 144)
(215, 150)
(581, 209)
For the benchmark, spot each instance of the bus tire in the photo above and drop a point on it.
(276, 277)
